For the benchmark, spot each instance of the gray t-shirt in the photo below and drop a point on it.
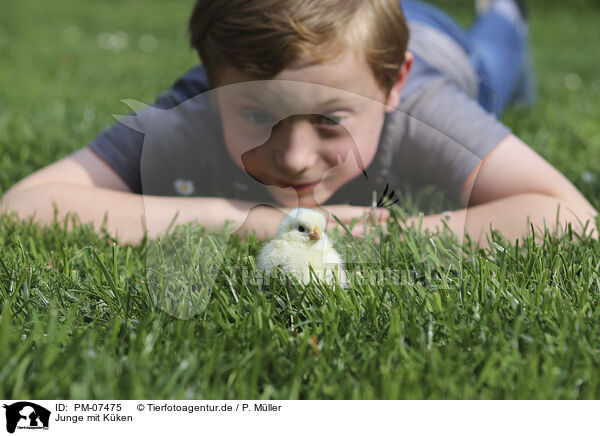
(437, 135)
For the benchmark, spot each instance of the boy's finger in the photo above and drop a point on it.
(358, 231)
(380, 214)
(347, 213)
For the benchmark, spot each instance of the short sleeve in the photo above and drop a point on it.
(121, 146)
(438, 135)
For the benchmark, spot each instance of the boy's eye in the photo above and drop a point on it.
(329, 120)
(301, 229)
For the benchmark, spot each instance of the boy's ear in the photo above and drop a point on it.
(394, 95)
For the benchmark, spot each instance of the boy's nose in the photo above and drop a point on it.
(296, 145)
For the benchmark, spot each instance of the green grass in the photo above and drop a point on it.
(77, 315)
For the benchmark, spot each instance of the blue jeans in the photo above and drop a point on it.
(496, 47)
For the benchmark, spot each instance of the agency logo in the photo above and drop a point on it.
(26, 415)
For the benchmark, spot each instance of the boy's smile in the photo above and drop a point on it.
(310, 130)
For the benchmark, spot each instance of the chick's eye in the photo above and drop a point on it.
(301, 229)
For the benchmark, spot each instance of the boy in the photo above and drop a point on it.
(339, 69)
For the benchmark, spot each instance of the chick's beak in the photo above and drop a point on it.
(316, 234)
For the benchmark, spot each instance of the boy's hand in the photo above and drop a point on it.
(360, 214)
(265, 220)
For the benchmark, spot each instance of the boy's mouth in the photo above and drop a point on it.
(299, 187)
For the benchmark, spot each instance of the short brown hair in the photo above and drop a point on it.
(263, 37)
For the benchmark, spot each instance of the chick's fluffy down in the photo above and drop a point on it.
(299, 243)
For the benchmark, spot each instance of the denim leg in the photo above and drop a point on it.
(436, 18)
(427, 14)
(500, 48)
(496, 46)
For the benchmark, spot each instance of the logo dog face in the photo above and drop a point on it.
(30, 412)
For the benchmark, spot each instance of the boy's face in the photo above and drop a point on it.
(310, 130)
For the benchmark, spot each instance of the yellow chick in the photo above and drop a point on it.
(301, 241)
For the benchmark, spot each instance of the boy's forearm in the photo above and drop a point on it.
(128, 215)
(510, 217)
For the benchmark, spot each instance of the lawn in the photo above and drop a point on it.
(77, 317)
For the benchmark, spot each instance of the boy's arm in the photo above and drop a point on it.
(444, 135)
(514, 185)
(84, 184)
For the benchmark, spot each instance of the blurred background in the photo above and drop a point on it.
(65, 65)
